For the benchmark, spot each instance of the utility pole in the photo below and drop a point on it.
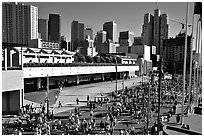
(123, 82)
(159, 89)
(148, 106)
(116, 75)
(47, 96)
(184, 67)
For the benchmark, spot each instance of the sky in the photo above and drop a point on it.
(129, 16)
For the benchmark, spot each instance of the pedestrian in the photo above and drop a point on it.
(177, 119)
(168, 116)
(88, 98)
(121, 132)
(174, 109)
(90, 105)
(101, 125)
(77, 101)
(55, 97)
(60, 104)
(91, 113)
(75, 110)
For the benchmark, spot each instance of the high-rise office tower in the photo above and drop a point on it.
(19, 23)
(137, 40)
(100, 40)
(147, 29)
(43, 28)
(126, 38)
(101, 36)
(156, 32)
(54, 27)
(155, 29)
(111, 29)
(63, 43)
(77, 35)
(164, 29)
(88, 32)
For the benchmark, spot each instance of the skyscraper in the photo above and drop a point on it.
(77, 35)
(111, 29)
(54, 27)
(155, 29)
(164, 29)
(19, 23)
(126, 38)
(100, 40)
(63, 43)
(88, 32)
(156, 32)
(43, 28)
(147, 29)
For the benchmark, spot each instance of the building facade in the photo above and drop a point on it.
(40, 43)
(111, 29)
(156, 31)
(137, 40)
(54, 27)
(19, 23)
(126, 38)
(164, 29)
(88, 32)
(173, 52)
(88, 49)
(43, 28)
(77, 35)
(63, 43)
(147, 29)
(100, 39)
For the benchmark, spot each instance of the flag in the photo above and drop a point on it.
(198, 8)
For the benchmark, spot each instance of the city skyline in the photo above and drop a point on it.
(129, 17)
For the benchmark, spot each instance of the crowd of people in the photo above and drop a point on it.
(138, 102)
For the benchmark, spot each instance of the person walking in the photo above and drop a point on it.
(77, 101)
(177, 119)
(60, 104)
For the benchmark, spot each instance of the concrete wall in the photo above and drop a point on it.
(122, 49)
(11, 102)
(12, 80)
(12, 91)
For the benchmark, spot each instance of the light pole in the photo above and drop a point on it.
(47, 96)
(123, 82)
(116, 80)
(159, 88)
(148, 106)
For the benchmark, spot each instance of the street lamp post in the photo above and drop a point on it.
(116, 79)
(148, 106)
(123, 82)
(47, 96)
(159, 88)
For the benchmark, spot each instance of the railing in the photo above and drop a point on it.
(72, 64)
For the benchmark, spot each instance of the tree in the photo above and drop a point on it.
(79, 58)
(107, 59)
(119, 60)
(89, 59)
(102, 60)
(112, 60)
(96, 59)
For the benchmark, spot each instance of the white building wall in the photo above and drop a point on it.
(31, 72)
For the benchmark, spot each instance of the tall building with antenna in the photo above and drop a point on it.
(155, 29)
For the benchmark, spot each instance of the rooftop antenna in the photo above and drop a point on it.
(157, 5)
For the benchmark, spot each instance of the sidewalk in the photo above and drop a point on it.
(193, 120)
